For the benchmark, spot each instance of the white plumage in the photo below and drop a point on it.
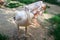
(21, 17)
(35, 5)
(24, 17)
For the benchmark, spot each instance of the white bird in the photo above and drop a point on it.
(24, 17)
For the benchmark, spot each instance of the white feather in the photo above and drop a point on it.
(21, 17)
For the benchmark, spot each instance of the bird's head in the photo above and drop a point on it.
(44, 6)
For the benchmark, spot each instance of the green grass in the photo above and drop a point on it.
(45, 12)
(27, 1)
(53, 2)
(14, 4)
(4, 37)
(56, 32)
(56, 21)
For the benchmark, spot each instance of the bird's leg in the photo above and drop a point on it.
(26, 33)
(25, 30)
(18, 31)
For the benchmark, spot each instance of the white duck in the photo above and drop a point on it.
(23, 18)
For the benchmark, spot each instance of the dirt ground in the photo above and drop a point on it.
(8, 27)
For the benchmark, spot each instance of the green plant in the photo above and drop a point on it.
(14, 4)
(56, 21)
(56, 32)
(26, 1)
(45, 11)
(53, 2)
(3, 37)
(7, 1)
(58, 15)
